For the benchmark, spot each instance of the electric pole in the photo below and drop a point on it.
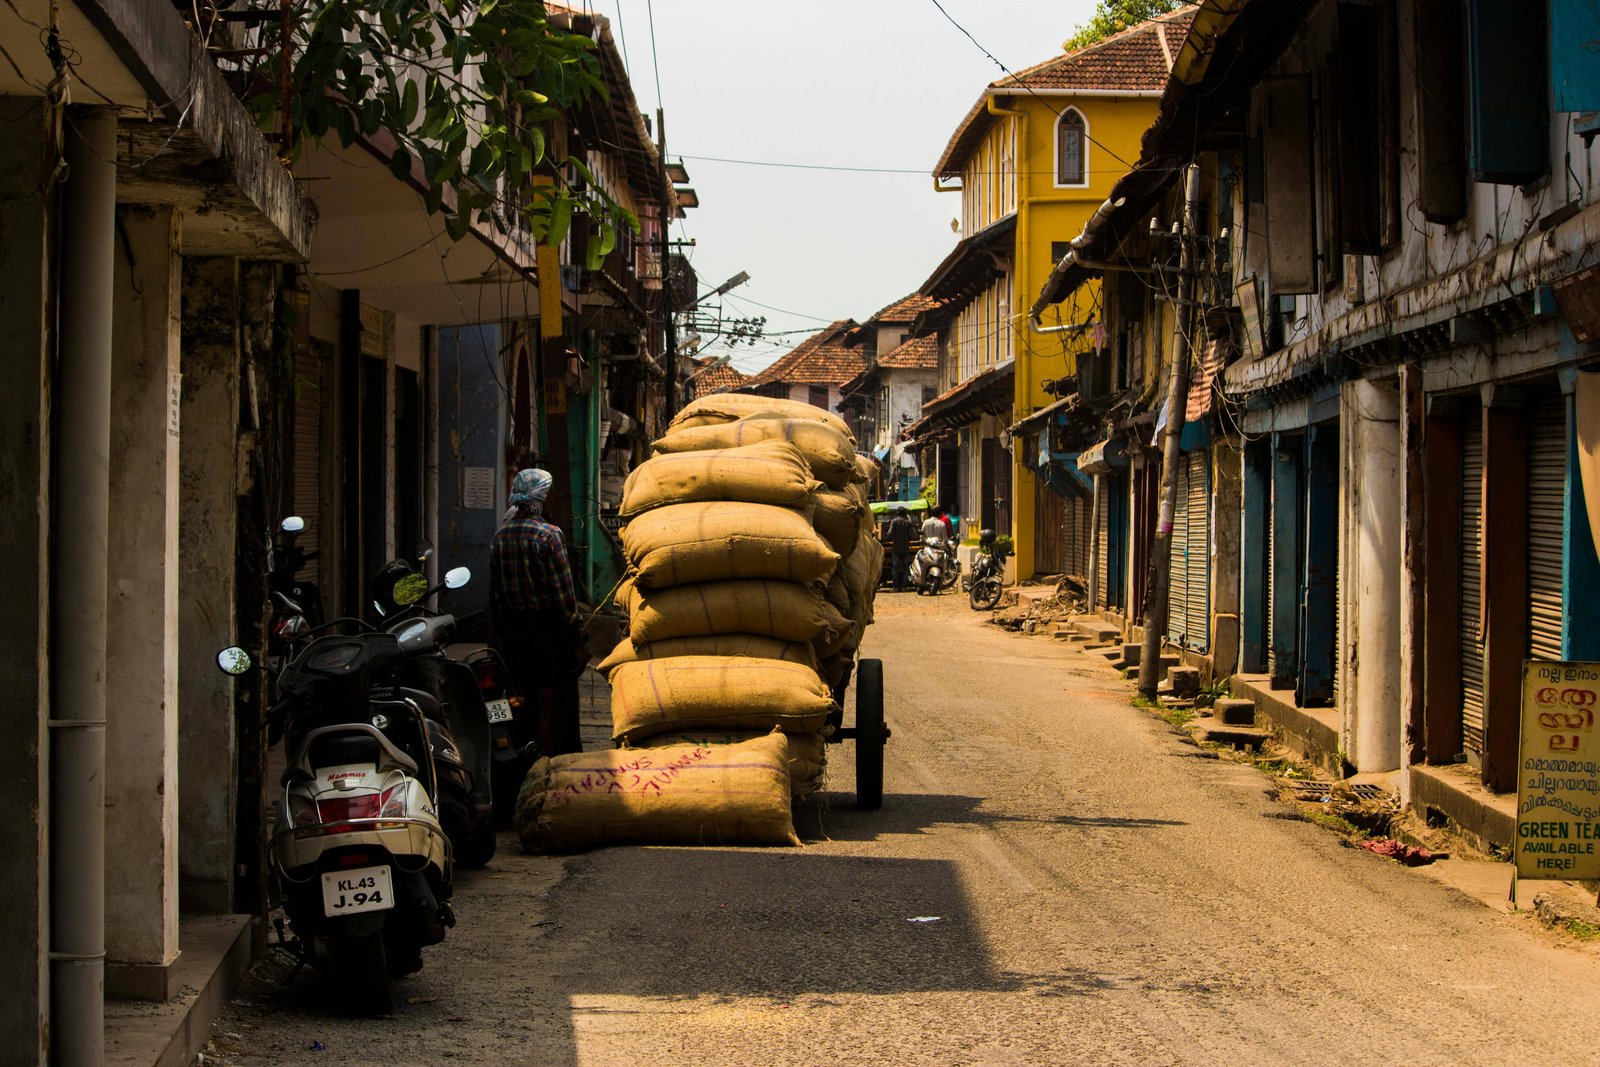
(1156, 589)
(670, 356)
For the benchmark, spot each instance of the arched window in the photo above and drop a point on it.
(1072, 148)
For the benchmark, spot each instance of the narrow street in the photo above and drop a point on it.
(1056, 877)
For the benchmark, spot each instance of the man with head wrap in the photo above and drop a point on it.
(535, 613)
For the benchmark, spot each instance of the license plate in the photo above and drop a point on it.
(355, 890)
(499, 711)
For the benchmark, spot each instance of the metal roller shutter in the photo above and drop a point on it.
(1106, 485)
(1547, 479)
(1471, 579)
(1178, 572)
(1197, 625)
(1272, 549)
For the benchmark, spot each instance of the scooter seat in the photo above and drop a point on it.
(344, 748)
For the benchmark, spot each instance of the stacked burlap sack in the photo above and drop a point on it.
(752, 561)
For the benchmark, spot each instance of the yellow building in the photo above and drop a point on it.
(1032, 161)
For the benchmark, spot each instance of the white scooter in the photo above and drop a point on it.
(362, 865)
(934, 568)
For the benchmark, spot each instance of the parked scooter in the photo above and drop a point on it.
(296, 605)
(988, 573)
(361, 863)
(460, 728)
(934, 568)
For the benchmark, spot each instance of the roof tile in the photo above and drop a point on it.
(822, 359)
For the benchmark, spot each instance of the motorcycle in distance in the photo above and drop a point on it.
(988, 573)
(934, 567)
(459, 720)
(358, 857)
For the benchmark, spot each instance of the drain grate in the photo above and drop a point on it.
(1324, 790)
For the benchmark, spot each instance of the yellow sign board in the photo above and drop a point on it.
(1558, 772)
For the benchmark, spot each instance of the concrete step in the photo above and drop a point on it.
(1235, 712)
(1185, 681)
(1098, 631)
(1250, 737)
(1131, 672)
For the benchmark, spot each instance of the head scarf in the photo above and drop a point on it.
(528, 490)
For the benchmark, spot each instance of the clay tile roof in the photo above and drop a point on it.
(917, 353)
(906, 309)
(1138, 59)
(723, 379)
(822, 359)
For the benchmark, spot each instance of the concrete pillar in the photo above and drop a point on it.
(25, 387)
(1227, 515)
(1373, 481)
(207, 619)
(142, 604)
(81, 515)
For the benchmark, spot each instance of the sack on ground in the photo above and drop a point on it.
(838, 519)
(754, 646)
(682, 544)
(830, 451)
(683, 795)
(772, 472)
(783, 610)
(649, 697)
(807, 753)
(730, 407)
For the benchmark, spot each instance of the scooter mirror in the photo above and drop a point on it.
(293, 524)
(409, 588)
(234, 660)
(456, 577)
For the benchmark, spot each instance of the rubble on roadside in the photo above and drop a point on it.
(1030, 616)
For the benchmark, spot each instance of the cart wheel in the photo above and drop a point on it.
(869, 734)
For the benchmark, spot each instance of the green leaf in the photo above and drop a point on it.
(560, 220)
(409, 102)
(400, 163)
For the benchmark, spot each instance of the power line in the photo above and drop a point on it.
(812, 166)
(782, 311)
(655, 64)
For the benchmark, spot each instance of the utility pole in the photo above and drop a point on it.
(1155, 598)
(670, 357)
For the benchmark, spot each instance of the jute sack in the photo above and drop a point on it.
(838, 519)
(772, 472)
(751, 645)
(731, 407)
(860, 573)
(683, 795)
(807, 753)
(783, 610)
(837, 593)
(838, 633)
(829, 450)
(730, 692)
(712, 541)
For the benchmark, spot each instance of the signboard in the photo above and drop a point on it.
(1558, 772)
(477, 487)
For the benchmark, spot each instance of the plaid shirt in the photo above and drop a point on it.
(528, 570)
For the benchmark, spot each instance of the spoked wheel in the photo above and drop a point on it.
(361, 971)
(986, 593)
(870, 734)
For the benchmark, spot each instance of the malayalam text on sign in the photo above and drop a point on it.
(1558, 772)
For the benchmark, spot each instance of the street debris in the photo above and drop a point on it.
(926, 919)
(1399, 851)
(1038, 616)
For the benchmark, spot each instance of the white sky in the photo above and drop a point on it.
(844, 83)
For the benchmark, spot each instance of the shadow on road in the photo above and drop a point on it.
(675, 923)
(834, 816)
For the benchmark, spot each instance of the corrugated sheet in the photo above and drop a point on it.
(1547, 477)
(1471, 582)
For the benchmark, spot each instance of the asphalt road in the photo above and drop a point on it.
(1056, 877)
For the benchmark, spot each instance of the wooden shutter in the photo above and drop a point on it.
(1472, 582)
(1437, 47)
(1510, 129)
(307, 487)
(1547, 483)
(1286, 118)
(1359, 67)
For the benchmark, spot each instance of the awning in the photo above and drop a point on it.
(1103, 458)
(1039, 418)
(881, 454)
